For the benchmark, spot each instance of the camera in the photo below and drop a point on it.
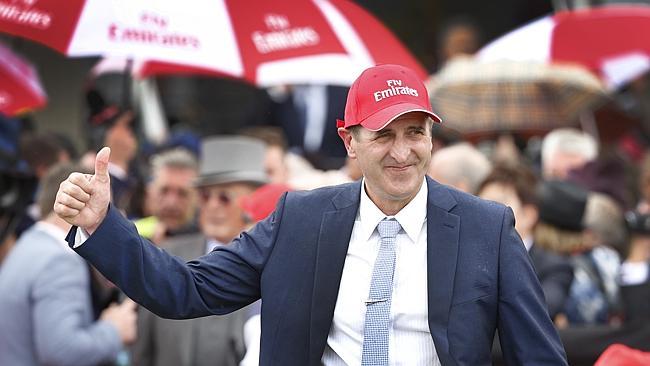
(637, 223)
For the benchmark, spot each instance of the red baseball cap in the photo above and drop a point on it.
(383, 93)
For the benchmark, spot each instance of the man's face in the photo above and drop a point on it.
(393, 160)
(173, 197)
(221, 216)
(525, 215)
(275, 166)
(561, 164)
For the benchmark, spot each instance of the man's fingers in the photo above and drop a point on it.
(80, 180)
(74, 191)
(67, 200)
(101, 164)
(64, 211)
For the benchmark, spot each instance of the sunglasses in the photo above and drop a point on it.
(223, 197)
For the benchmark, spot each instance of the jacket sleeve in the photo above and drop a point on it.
(526, 333)
(63, 334)
(220, 282)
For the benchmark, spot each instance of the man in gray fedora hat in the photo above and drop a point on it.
(221, 182)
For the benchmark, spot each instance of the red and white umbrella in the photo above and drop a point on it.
(264, 41)
(195, 31)
(20, 88)
(611, 41)
(293, 42)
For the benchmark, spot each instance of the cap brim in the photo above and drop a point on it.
(382, 118)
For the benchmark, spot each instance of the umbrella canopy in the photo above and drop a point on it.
(264, 41)
(168, 30)
(20, 87)
(611, 41)
(293, 42)
(473, 97)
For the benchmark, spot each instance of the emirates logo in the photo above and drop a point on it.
(282, 36)
(21, 12)
(394, 88)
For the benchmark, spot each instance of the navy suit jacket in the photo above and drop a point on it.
(479, 275)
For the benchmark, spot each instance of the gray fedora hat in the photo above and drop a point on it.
(231, 159)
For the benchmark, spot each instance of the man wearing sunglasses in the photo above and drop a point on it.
(392, 269)
(220, 185)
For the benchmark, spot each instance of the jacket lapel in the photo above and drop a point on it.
(442, 253)
(335, 231)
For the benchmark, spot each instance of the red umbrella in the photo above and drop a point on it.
(193, 31)
(611, 41)
(294, 42)
(20, 88)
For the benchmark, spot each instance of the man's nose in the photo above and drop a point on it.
(400, 150)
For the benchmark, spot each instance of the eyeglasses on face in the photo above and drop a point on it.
(224, 197)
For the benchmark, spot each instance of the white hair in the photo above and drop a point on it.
(568, 141)
(179, 158)
(460, 162)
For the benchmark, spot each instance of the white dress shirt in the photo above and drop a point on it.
(410, 341)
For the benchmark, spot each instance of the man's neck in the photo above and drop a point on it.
(389, 207)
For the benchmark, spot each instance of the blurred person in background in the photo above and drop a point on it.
(17, 185)
(305, 112)
(171, 198)
(566, 149)
(275, 159)
(516, 187)
(46, 317)
(459, 36)
(461, 166)
(222, 183)
(109, 125)
(41, 152)
(286, 167)
(577, 223)
(594, 296)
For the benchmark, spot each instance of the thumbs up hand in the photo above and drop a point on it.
(83, 199)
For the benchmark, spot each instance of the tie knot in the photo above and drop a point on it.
(388, 228)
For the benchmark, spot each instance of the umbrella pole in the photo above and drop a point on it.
(126, 84)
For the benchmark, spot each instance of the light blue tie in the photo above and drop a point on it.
(376, 326)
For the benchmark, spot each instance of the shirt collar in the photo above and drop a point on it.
(528, 242)
(410, 217)
(210, 244)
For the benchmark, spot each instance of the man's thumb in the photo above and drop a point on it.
(101, 164)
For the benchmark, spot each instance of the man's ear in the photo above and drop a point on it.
(346, 136)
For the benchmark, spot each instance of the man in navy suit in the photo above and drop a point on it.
(394, 269)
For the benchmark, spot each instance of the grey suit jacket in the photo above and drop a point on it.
(45, 308)
(214, 341)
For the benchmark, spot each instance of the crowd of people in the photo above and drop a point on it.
(581, 210)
